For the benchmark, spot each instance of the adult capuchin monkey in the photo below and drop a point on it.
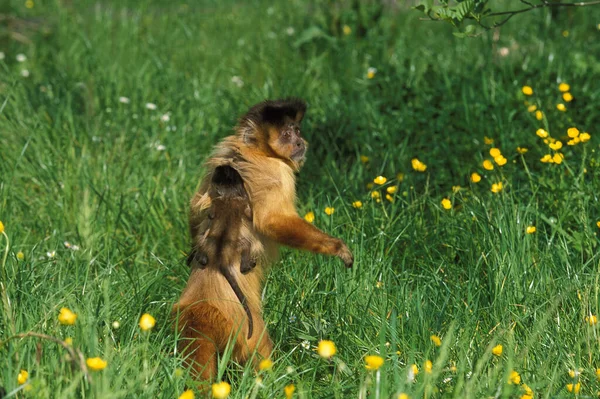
(266, 150)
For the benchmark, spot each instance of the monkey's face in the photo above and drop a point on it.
(287, 142)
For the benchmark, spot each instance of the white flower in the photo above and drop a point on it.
(116, 324)
(151, 106)
(50, 254)
(74, 247)
(290, 30)
(25, 73)
(21, 58)
(165, 118)
(160, 147)
(504, 51)
(2, 56)
(124, 100)
(236, 80)
(67, 244)
(305, 344)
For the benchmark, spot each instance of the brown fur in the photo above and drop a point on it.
(267, 150)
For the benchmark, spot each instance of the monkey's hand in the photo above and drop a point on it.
(293, 231)
(345, 255)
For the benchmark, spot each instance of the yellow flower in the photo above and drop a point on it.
(392, 189)
(497, 187)
(1, 227)
(568, 97)
(528, 391)
(575, 373)
(147, 322)
(598, 224)
(437, 341)
(522, 150)
(326, 349)
(565, 33)
(414, 369)
(375, 194)
(403, 396)
(561, 107)
(329, 210)
(558, 158)
(289, 391)
(574, 141)
(418, 165)
(309, 217)
(379, 180)
(428, 366)
(584, 137)
(446, 204)
(530, 229)
(265, 364)
(475, 177)
(539, 115)
(591, 320)
(29, 4)
(22, 377)
(542, 133)
(189, 394)
(221, 390)
(497, 350)
(598, 374)
(557, 145)
(574, 387)
(488, 140)
(547, 159)
(20, 255)
(488, 165)
(371, 72)
(389, 198)
(66, 317)
(373, 362)
(514, 378)
(564, 87)
(527, 90)
(532, 108)
(357, 204)
(364, 159)
(96, 363)
(494, 152)
(500, 160)
(572, 132)
(347, 30)
(69, 341)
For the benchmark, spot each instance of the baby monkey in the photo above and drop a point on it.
(222, 241)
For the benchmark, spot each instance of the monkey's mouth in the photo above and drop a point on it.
(298, 154)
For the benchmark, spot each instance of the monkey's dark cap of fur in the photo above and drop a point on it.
(275, 112)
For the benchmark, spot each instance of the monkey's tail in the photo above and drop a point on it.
(240, 295)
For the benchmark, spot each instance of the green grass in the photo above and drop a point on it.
(79, 166)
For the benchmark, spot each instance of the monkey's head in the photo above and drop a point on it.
(274, 128)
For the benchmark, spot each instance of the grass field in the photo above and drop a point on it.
(94, 193)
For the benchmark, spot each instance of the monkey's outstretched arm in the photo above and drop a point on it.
(293, 231)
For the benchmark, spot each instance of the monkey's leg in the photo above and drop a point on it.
(204, 333)
(293, 231)
(247, 263)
